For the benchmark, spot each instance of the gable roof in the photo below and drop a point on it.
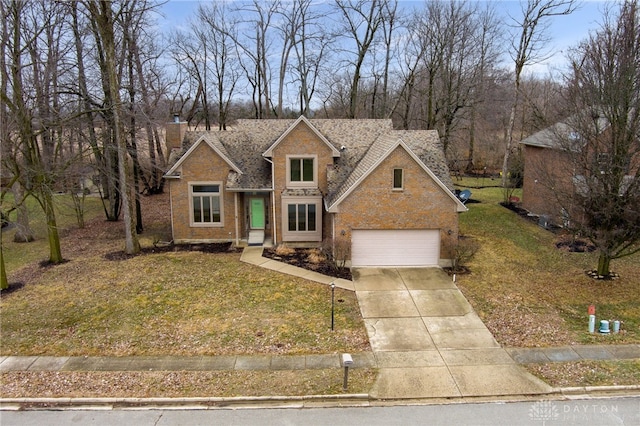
(248, 143)
(565, 134)
(377, 153)
(269, 152)
(212, 141)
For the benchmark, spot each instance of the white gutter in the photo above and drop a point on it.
(273, 204)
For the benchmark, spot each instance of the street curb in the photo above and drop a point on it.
(343, 400)
(306, 401)
(589, 390)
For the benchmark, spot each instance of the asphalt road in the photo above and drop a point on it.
(593, 411)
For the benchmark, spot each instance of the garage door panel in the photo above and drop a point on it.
(395, 247)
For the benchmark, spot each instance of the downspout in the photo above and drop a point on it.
(274, 220)
(235, 208)
(333, 232)
(171, 210)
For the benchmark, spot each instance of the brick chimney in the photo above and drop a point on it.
(174, 133)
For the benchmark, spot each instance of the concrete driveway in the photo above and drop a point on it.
(428, 341)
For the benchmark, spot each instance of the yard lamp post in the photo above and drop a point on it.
(333, 290)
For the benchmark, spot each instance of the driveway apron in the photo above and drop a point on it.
(428, 341)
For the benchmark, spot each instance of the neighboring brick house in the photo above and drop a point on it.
(547, 172)
(385, 192)
(559, 161)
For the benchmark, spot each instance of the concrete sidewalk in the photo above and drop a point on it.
(294, 362)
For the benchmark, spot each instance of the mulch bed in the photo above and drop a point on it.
(575, 244)
(300, 257)
(517, 208)
(171, 247)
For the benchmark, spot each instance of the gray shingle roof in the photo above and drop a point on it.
(566, 134)
(364, 141)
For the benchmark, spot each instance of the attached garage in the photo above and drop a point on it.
(395, 247)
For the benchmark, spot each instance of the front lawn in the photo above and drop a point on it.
(171, 303)
(175, 303)
(179, 303)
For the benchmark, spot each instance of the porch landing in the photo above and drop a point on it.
(256, 237)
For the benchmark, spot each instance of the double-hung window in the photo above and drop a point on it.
(206, 204)
(302, 171)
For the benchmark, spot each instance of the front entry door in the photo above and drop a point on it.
(257, 213)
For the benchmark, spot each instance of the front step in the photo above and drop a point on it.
(256, 237)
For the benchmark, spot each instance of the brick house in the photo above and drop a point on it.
(384, 192)
(547, 172)
(559, 160)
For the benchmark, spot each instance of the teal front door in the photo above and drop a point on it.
(257, 213)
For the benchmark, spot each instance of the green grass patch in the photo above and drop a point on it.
(19, 255)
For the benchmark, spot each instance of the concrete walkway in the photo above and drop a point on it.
(425, 338)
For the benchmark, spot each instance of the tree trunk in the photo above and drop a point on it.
(55, 253)
(101, 13)
(603, 264)
(4, 283)
(509, 140)
(23, 234)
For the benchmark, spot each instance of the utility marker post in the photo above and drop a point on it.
(347, 361)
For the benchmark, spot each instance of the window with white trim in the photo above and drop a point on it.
(398, 176)
(206, 204)
(302, 218)
(302, 171)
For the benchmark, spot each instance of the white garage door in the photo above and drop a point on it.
(395, 247)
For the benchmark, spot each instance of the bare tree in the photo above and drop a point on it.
(225, 70)
(529, 45)
(312, 42)
(448, 51)
(361, 20)
(486, 42)
(103, 16)
(91, 114)
(142, 53)
(187, 52)
(603, 145)
(35, 35)
(254, 40)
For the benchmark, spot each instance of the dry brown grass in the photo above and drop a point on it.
(315, 256)
(182, 384)
(589, 373)
(529, 293)
(284, 250)
(174, 303)
(182, 303)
